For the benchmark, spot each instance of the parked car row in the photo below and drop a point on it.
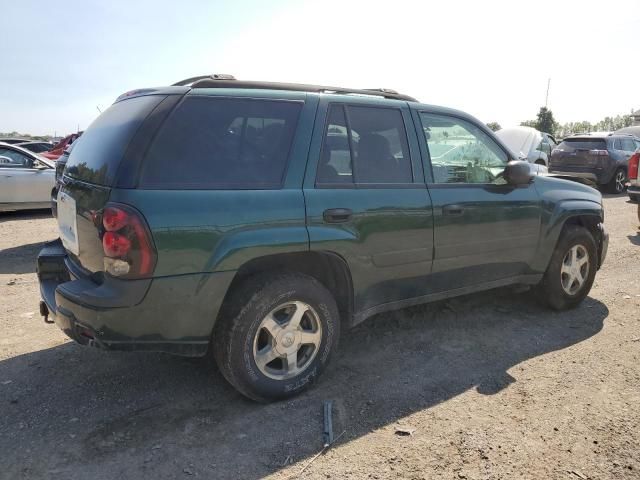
(26, 178)
(258, 220)
(28, 172)
(602, 159)
(47, 149)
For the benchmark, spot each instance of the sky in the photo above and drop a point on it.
(489, 58)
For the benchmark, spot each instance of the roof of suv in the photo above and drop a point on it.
(228, 81)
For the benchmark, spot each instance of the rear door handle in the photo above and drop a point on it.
(337, 215)
(453, 210)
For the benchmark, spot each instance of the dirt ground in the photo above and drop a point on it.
(493, 386)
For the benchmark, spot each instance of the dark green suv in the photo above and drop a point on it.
(256, 220)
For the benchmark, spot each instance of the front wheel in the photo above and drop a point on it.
(571, 271)
(277, 335)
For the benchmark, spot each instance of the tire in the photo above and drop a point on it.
(553, 290)
(246, 334)
(541, 162)
(616, 184)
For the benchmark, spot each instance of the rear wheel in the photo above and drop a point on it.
(571, 271)
(617, 183)
(276, 335)
(541, 162)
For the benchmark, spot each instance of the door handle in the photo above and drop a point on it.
(453, 210)
(337, 215)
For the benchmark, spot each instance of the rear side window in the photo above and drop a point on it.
(364, 145)
(99, 151)
(222, 143)
(628, 145)
(571, 144)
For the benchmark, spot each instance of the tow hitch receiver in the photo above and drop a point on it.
(44, 311)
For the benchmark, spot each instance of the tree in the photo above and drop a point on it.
(494, 126)
(529, 123)
(546, 122)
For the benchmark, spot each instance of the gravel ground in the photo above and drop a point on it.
(492, 385)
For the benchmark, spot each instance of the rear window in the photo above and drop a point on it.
(222, 143)
(582, 144)
(99, 151)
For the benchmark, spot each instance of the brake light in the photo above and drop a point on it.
(126, 242)
(633, 166)
(599, 153)
(114, 219)
(115, 245)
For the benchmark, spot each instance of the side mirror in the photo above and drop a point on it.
(40, 166)
(518, 172)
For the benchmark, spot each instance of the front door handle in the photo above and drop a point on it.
(337, 215)
(453, 210)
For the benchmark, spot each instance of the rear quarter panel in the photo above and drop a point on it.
(203, 231)
(210, 231)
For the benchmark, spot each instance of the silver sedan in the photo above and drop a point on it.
(26, 179)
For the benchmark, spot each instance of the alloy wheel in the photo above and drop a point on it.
(620, 181)
(575, 269)
(287, 340)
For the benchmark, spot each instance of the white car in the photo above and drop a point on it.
(528, 143)
(26, 179)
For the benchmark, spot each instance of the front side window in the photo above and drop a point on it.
(461, 152)
(364, 145)
(222, 143)
(12, 158)
(545, 146)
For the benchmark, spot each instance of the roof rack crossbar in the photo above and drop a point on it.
(227, 81)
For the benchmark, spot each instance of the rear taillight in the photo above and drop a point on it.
(599, 153)
(633, 166)
(126, 242)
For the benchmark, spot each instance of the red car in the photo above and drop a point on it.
(58, 148)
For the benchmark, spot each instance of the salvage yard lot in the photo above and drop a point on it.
(493, 386)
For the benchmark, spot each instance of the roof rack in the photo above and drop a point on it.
(229, 81)
(624, 134)
(191, 80)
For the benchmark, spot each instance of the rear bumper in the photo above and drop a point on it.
(634, 193)
(170, 314)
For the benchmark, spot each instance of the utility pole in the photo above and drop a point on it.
(546, 99)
